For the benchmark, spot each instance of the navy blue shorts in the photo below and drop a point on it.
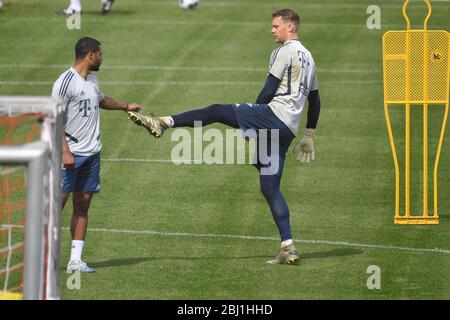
(84, 177)
(260, 119)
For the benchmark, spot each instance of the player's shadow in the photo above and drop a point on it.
(131, 261)
(112, 13)
(119, 262)
(115, 262)
(330, 253)
(311, 255)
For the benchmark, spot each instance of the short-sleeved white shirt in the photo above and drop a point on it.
(80, 99)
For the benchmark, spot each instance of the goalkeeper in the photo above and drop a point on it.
(291, 81)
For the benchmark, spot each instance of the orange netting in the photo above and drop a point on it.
(14, 130)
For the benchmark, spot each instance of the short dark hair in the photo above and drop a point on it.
(86, 45)
(288, 15)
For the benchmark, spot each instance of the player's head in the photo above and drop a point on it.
(89, 50)
(285, 24)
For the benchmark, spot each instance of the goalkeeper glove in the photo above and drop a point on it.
(304, 150)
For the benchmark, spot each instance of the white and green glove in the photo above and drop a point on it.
(304, 150)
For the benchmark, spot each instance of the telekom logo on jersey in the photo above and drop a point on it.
(85, 107)
(212, 146)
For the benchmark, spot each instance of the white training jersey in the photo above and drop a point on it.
(80, 99)
(294, 65)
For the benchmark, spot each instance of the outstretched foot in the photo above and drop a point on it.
(154, 125)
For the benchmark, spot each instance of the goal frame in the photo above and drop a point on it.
(43, 213)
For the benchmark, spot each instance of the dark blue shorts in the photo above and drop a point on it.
(85, 177)
(260, 119)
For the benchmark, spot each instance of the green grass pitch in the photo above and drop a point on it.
(165, 231)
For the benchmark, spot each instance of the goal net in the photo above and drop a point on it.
(30, 203)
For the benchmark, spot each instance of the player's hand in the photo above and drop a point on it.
(68, 160)
(304, 150)
(133, 107)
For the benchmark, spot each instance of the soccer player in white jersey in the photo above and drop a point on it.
(1, 4)
(291, 81)
(77, 92)
(75, 7)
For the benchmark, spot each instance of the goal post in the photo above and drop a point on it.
(35, 157)
(39, 150)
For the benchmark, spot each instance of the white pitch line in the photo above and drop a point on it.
(154, 67)
(146, 160)
(137, 67)
(159, 161)
(181, 83)
(245, 237)
(177, 23)
(135, 83)
(236, 4)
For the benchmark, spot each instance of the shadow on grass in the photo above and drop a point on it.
(330, 253)
(116, 262)
(112, 13)
(306, 256)
(120, 262)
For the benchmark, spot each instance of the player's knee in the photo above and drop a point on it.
(222, 113)
(222, 110)
(81, 209)
(216, 107)
(81, 203)
(268, 190)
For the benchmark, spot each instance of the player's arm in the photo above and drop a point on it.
(67, 156)
(304, 149)
(112, 104)
(62, 98)
(268, 91)
(313, 109)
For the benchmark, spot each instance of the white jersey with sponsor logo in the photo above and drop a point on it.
(80, 99)
(294, 65)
